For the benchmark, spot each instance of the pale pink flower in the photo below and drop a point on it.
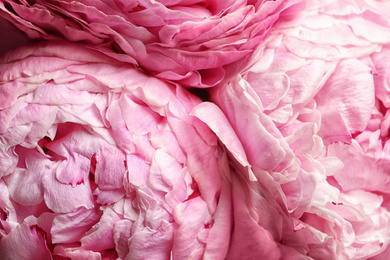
(290, 161)
(185, 41)
(314, 134)
(99, 160)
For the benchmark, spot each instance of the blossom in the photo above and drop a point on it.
(99, 160)
(186, 41)
(105, 153)
(313, 103)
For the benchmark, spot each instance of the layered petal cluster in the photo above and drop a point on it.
(189, 41)
(315, 110)
(100, 161)
(106, 154)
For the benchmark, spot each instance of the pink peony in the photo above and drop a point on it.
(186, 41)
(314, 106)
(289, 158)
(98, 160)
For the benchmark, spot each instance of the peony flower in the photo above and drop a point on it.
(288, 158)
(186, 41)
(100, 161)
(315, 134)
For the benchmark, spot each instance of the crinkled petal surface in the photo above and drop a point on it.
(311, 116)
(106, 154)
(185, 41)
(110, 166)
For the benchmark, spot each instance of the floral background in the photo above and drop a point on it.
(194, 129)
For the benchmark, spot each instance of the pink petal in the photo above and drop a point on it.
(349, 111)
(24, 242)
